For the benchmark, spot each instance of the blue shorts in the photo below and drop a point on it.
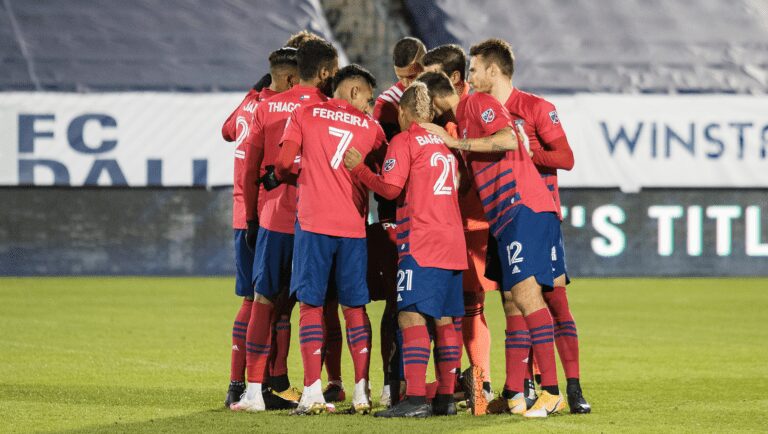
(525, 248)
(313, 265)
(558, 256)
(243, 265)
(272, 267)
(435, 292)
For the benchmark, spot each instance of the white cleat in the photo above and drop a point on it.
(251, 401)
(361, 398)
(386, 396)
(312, 401)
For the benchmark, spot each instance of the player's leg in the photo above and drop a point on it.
(243, 288)
(566, 335)
(447, 339)
(311, 271)
(351, 262)
(334, 390)
(280, 386)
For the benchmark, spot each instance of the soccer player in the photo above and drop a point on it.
(273, 213)
(330, 225)
(522, 218)
(407, 55)
(536, 119)
(451, 60)
(431, 248)
(283, 67)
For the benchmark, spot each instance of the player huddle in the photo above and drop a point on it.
(466, 202)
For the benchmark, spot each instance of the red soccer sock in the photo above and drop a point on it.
(282, 343)
(415, 359)
(359, 340)
(311, 341)
(517, 347)
(566, 337)
(542, 339)
(332, 355)
(447, 349)
(258, 345)
(239, 330)
(431, 389)
(477, 338)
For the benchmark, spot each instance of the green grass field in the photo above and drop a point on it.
(152, 354)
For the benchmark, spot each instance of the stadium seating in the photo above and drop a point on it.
(181, 45)
(596, 46)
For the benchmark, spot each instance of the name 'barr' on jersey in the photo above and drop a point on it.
(330, 202)
(429, 225)
(504, 180)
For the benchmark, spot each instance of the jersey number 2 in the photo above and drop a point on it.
(448, 168)
(345, 139)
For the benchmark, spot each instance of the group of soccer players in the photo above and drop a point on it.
(426, 198)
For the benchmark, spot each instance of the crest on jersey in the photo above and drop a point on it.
(488, 116)
(553, 117)
(519, 122)
(303, 97)
(389, 164)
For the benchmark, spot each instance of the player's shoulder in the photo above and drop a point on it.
(533, 100)
(485, 106)
(391, 95)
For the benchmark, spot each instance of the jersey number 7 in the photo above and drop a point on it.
(345, 139)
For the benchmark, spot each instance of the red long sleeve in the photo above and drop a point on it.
(554, 155)
(285, 159)
(253, 158)
(376, 183)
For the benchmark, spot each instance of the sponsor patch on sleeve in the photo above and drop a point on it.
(389, 164)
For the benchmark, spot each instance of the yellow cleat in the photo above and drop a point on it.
(546, 404)
(501, 405)
(290, 394)
(517, 404)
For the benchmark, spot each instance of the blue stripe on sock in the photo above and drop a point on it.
(304, 341)
(244, 324)
(557, 335)
(547, 326)
(358, 339)
(545, 341)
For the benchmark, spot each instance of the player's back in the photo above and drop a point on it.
(504, 180)
(278, 207)
(329, 201)
(429, 221)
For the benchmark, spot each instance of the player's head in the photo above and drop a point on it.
(296, 40)
(450, 59)
(283, 68)
(441, 91)
(355, 84)
(490, 62)
(415, 105)
(318, 62)
(407, 56)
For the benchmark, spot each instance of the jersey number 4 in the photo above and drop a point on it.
(449, 168)
(345, 138)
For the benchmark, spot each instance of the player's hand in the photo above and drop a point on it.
(269, 180)
(250, 234)
(440, 132)
(352, 158)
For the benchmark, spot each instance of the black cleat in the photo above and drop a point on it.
(443, 405)
(576, 401)
(530, 393)
(236, 390)
(407, 408)
(334, 393)
(273, 402)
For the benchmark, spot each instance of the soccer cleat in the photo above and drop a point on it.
(236, 389)
(517, 405)
(444, 405)
(251, 400)
(473, 384)
(312, 401)
(334, 392)
(386, 398)
(530, 396)
(576, 401)
(290, 394)
(487, 391)
(546, 404)
(274, 401)
(407, 408)
(361, 398)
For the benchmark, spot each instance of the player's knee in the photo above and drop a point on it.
(527, 296)
(409, 319)
(509, 304)
(263, 299)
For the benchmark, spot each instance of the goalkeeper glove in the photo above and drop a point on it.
(269, 180)
(250, 234)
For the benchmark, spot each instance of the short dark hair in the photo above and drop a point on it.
(438, 83)
(296, 40)
(285, 56)
(353, 71)
(407, 50)
(450, 57)
(314, 55)
(496, 51)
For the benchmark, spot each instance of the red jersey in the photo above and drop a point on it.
(385, 108)
(428, 218)
(241, 120)
(330, 202)
(277, 208)
(538, 119)
(472, 214)
(504, 180)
